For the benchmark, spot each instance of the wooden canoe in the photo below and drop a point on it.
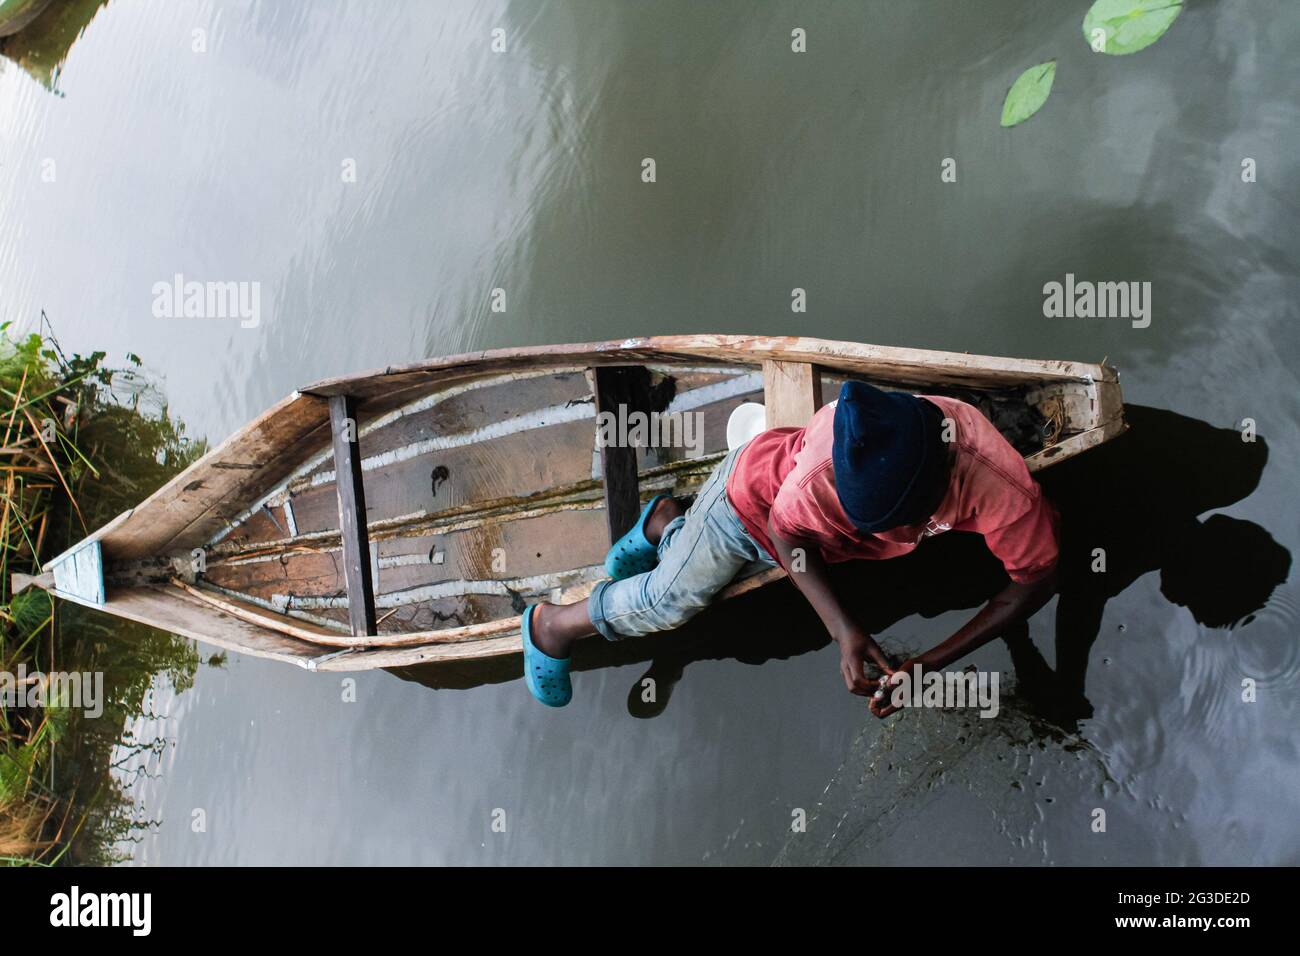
(483, 487)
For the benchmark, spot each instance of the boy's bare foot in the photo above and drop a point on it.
(557, 626)
(665, 511)
(544, 637)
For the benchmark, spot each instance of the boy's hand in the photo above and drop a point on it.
(882, 705)
(813, 582)
(856, 648)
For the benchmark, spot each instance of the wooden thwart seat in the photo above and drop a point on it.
(615, 386)
(352, 514)
(792, 393)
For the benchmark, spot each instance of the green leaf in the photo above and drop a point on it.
(1119, 27)
(1028, 93)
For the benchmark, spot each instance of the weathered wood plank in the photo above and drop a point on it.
(903, 365)
(306, 631)
(199, 502)
(237, 627)
(499, 644)
(792, 392)
(615, 389)
(1075, 444)
(352, 514)
(170, 609)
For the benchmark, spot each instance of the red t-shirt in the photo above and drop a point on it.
(786, 473)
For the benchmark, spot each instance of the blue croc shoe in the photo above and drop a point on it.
(633, 553)
(547, 677)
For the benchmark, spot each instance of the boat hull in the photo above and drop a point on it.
(484, 488)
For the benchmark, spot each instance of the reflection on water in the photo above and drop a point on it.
(42, 45)
(521, 171)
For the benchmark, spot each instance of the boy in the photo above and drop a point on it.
(871, 476)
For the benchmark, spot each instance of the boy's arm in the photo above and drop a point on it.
(1016, 602)
(813, 582)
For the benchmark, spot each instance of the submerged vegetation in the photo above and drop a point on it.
(82, 443)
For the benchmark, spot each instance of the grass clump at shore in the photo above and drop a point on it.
(81, 443)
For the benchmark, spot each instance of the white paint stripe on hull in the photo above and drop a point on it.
(533, 584)
(545, 417)
(279, 608)
(559, 414)
(717, 392)
(406, 560)
(423, 403)
(660, 481)
(289, 552)
(542, 418)
(689, 401)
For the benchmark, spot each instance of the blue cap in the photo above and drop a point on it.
(891, 463)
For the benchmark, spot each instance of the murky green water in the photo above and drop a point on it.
(521, 170)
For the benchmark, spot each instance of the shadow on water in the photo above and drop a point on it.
(1135, 503)
(1140, 500)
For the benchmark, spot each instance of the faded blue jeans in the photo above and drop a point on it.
(700, 553)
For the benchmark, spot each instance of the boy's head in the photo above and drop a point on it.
(890, 460)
